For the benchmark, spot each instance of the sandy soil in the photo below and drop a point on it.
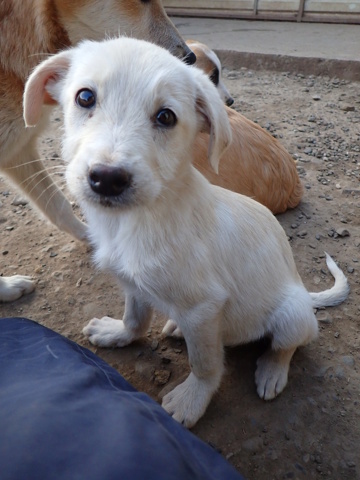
(312, 430)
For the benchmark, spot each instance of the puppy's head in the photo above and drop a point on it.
(131, 115)
(209, 63)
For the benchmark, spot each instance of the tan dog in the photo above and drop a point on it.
(209, 62)
(256, 164)
(31, 30)
(216, 263)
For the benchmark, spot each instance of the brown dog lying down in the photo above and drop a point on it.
(255, 164)
(31, 30)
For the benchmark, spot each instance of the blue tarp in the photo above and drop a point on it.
(66, 414)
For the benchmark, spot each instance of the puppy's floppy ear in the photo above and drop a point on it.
(36, 94)
(213, 119)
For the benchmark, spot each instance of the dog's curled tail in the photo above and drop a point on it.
(335, 295)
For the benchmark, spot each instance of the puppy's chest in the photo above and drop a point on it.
(161, 271)
(134, 260)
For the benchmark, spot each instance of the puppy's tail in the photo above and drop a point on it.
(335, 295)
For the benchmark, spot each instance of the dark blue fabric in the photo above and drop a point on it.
(66, 414)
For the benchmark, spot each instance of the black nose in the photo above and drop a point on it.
(108, 181)
(190, 58)
(229, 101)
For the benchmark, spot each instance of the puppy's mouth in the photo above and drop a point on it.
(112, 186)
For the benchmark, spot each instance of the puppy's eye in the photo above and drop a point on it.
(214, 77)
(166, 118)
(85, 98)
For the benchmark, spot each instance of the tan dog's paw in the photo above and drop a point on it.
(12, 288)
(188, 401)
(172, 330)
(107, 332)
(272, 372)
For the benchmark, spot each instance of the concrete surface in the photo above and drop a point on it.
(319, 48)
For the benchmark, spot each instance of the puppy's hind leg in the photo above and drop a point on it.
(109, 332)
(292, 324)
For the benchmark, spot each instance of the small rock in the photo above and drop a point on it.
(316, 98)
(324, 317)
(154, 345)
(342, 232)
(161, 377)
(350, 269)
(19, 201)
(348, 108)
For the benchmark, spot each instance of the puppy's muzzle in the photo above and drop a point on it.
(108, 181)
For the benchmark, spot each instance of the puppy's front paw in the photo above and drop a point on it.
(172, 330)
(107, 332)
(188, 401)
(271, 375)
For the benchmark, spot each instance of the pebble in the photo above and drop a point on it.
(161, 377)
(19, 201)
(342, 232)
(154, 345)
(348, 108)
(316, 98)
(324, 317)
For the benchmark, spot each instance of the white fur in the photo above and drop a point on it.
(43, 27)
(217, 263)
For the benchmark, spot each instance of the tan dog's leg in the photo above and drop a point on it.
(109, 332)
(12, 288)
(27, 171)
(189, 400)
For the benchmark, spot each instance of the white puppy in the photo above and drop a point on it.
(217, 263)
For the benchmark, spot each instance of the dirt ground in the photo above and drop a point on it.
(312, 430)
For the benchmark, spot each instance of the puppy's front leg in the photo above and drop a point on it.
(189, 400)
(109, 332)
